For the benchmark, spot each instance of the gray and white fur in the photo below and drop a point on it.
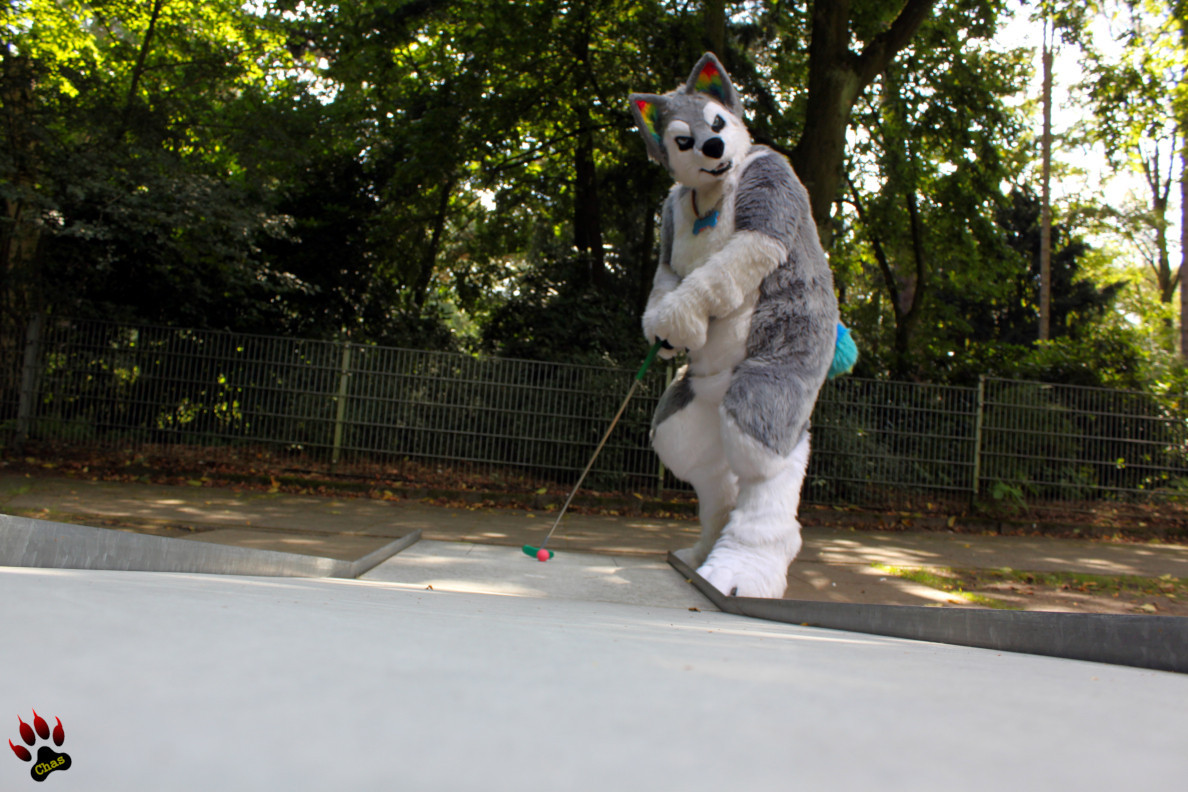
(743, 286)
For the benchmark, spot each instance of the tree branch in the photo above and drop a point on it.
(877, 54)
(918, 254)
(877, 247)
(142, 56)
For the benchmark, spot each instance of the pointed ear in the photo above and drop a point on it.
(710, 78)
(646, 109)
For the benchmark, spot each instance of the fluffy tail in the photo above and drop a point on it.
(845, 353)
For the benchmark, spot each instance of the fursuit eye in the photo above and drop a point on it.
(719, 124)
(683, 143)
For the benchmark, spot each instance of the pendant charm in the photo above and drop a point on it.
(702, 223)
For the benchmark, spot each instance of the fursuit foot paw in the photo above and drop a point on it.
(746, 573)
(692, 556)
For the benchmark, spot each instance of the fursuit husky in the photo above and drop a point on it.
(742, 286)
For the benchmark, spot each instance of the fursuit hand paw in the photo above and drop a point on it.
(738, 572)
(676, 321)
(667, 350)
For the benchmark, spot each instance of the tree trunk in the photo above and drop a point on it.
(1163, 274)
(1045, 321)
(587, 213)
(715, 27)
(20, 232)
(837, 77)
(1184, 248)
(429, 258)
(141, 63)
(645, 266)
(1160, 194)
(833, 87)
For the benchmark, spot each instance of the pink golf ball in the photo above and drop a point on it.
(542, 555)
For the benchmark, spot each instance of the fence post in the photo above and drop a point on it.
(30, 377)
(344, 374)
(977, 454)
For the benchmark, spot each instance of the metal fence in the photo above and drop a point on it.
(106, 385)
(1063, 442)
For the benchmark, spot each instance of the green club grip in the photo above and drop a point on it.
(655, 350)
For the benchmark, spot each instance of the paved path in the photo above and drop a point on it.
(835, 564)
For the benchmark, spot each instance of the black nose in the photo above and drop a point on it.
(714, 147)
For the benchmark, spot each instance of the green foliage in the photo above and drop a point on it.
(464, 175)
(1133, 94)
(546, 318)
(935, 144)
(121, 124)
(994, 332)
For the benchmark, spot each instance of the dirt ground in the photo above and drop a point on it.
(1068, 592)
(459, 486)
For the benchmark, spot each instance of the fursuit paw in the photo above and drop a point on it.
(746, 573)
(675, 320)
(693, 556)
(667, 350)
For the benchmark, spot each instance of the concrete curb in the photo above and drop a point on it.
(1155, 642)
(26, 542)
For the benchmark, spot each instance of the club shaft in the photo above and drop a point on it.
(582, 477)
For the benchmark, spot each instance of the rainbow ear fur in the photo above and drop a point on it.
(646, 109)
(709, 77)
(709, 80)
(649, 115)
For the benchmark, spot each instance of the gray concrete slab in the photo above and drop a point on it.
(199, 682)
(51, 545)
(342, 547)
(491, 569)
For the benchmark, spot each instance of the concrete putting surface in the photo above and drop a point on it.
(506, 571)
(469, 666)
(198, 682)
